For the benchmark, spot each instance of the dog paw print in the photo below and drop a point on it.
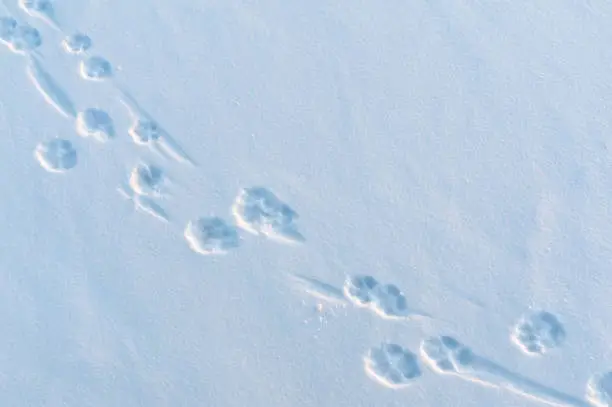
(360, 289)
(538, 332)
(446, 355)
(392, 365)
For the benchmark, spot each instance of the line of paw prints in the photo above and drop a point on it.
(144, 131)
(260, 212)
(535, 333)
(59, 155)
(93, 123)
(211, 235)
(385, 300)
(256, 210)
(24, 39)
(20, 38)
(396, 367)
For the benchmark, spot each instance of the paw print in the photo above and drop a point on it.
(77, 43)
(96, 69)
(392, 365)
(145, 132)
(537, 333)
(24, 39)
(389, 301)
(8, 25)
(446, 355)
(360, 289)
(211, 236)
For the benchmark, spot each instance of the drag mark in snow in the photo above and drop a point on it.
(50, 90)
(447, 356)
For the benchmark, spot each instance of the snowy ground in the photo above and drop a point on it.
(450, 162)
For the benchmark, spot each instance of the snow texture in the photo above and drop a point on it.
(447, 156)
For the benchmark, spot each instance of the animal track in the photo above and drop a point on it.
(392, 366)
(42, 9)
(599, 389)
(147, 180)
(258, 211)
(320, 289)
(96, 68)
(386, 300)
(8, 25)
(39, 6)
(95, 123)
(210, 236)
(77, 43)
(390, 302)
(144, 204)
(50, 90)
(440, 354)
(445, 355)
(538, 332)
(57, 155)
(145, 131)
(24, 39)
(360, 290)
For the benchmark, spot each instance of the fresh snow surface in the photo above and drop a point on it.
(277, 203)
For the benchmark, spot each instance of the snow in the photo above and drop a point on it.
(458, 151)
